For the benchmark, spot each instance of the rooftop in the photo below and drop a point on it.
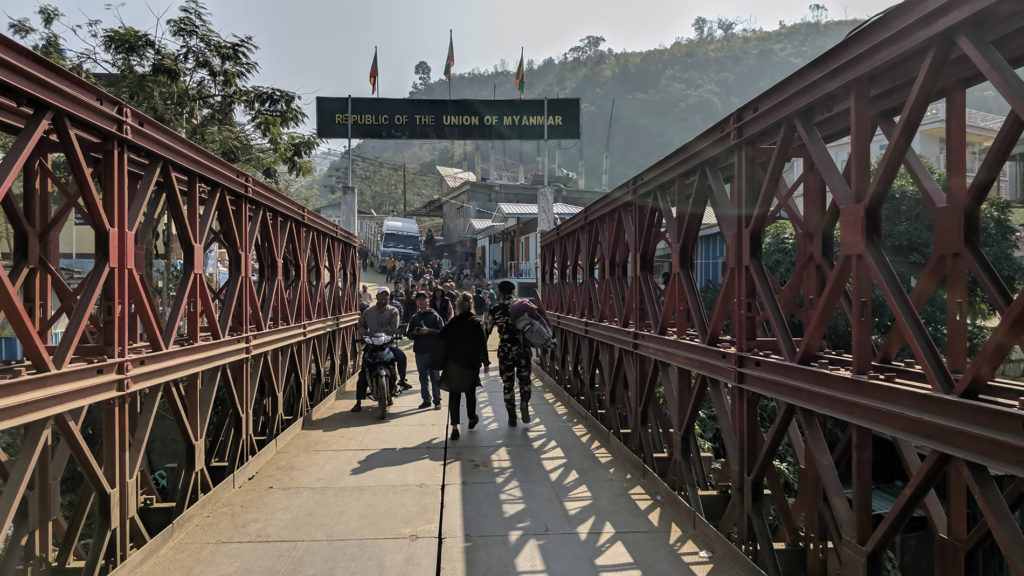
(455, 176)
(511, 210)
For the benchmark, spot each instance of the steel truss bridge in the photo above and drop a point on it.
(233, 362)
(90, 474)
(647, 361)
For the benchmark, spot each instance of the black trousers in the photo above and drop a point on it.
(455, 398)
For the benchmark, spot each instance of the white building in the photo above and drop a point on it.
(930, 142)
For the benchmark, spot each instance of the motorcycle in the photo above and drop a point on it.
(381, 370)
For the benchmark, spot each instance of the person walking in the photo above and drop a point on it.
(364, 255)
(480, 307)
(441, 304)
(465, 352)
(513, 354)
(424, 326)
(389, 268)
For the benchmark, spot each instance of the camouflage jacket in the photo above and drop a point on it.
(508, 335)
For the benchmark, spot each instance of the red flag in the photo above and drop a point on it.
(373, 72)
(450, 61)
(520, 76)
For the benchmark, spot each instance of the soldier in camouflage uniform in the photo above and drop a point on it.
(513, 354)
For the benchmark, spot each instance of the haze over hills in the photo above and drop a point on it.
(662, 98)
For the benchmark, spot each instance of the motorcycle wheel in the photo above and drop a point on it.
(380, 390)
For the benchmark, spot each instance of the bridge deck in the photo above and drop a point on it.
(351, 494)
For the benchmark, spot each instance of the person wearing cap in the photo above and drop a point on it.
(513, 354)
(424, 326)
(381, 318)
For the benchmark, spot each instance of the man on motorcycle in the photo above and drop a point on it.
(380, 318)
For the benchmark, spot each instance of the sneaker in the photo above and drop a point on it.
(405, 385)
(356, 408)
(473, 421)
(525, 409)
(455, 432)
(425, 404)
(512, 417)
(437, 406)
(390, 401)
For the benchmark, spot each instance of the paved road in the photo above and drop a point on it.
(354, 495)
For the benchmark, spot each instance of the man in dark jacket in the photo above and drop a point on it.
(423, 328)
(480, 308)
(513, 354)
(364, 254)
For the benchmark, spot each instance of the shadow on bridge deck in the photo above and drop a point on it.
(350, 494)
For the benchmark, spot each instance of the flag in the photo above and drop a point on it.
(450, 61)
(373, 72)
(520, 76)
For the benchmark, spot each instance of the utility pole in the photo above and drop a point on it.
(580, 182)
(607, 147)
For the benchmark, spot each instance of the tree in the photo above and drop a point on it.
(819, 13)
(907, 239)
(702, 28)
(422, 72)
(587, 47)
(187, 75)
(726, 26)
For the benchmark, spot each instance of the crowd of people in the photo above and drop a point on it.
(442, 295)
(449, 331)
(448, 309)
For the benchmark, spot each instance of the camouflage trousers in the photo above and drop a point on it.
(514, 364)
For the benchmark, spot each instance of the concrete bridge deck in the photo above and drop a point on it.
(350, 494)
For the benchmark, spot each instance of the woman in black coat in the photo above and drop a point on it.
(441, 305)
(466, 351)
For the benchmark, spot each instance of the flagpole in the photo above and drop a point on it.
(350, 140)
(449, 69)
(377, 79)
(545, 141)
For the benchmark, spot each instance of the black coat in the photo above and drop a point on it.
(425, 343)
(466, 347)
(443, 307)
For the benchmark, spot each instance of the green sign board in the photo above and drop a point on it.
(398, 118)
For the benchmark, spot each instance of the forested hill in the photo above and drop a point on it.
(663, 97)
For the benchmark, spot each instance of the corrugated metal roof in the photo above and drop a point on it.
(566, 209)
(709, 218)
(510, 210)
(478, 225)
(455, 176)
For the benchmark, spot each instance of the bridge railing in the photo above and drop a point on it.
(801, 443)
(203, 314)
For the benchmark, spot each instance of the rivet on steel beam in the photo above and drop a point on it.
(909, 363)
(1020, 403)
(823, 364)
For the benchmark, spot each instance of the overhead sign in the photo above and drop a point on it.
(399, 118)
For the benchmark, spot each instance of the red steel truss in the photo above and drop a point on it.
(649, 362)
(134, 399)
